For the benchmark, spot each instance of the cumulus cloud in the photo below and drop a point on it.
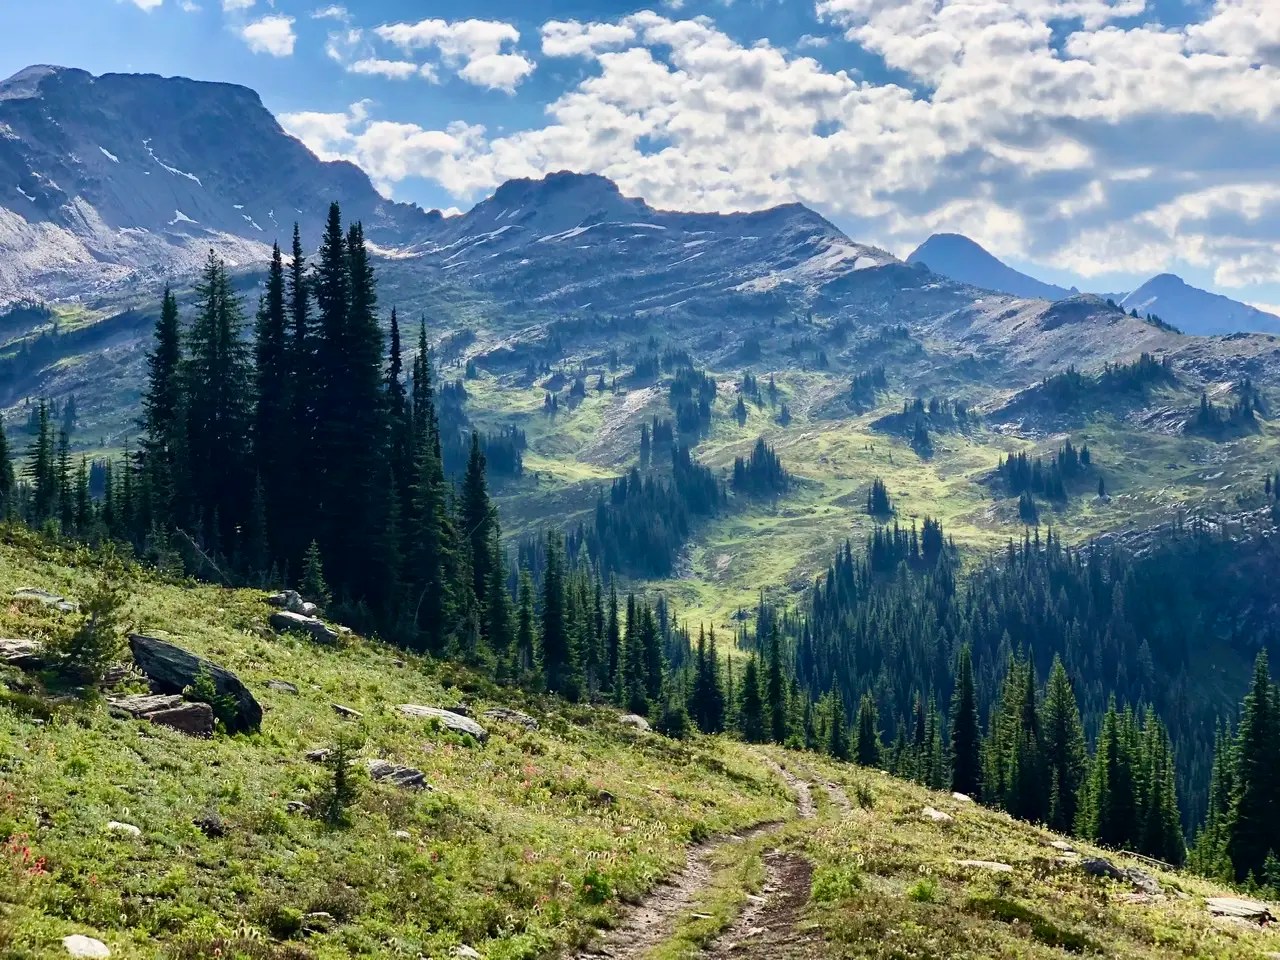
(1061, 131)
(473, 49)
(273, 35)
(236, 6)
(391, 69)
(147, 5)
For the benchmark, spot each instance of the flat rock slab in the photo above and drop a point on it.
(61, 604)
(991, 865)
(281, 686)
(937, 816)
(23, 654)
(167, 710)
(78, 945)
(634, 720)
(962, 797)
(1250, 910)
(506, 715)
(172, 669)
(451, 721)
(285, 621)
(128, 829)
(409, 778)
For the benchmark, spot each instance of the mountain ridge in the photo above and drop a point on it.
(960, 258)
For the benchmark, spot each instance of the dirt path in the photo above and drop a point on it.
(768, 928)
(653, 920)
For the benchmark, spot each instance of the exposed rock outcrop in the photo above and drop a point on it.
(172, 669)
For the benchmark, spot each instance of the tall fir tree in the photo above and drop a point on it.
(966, 732)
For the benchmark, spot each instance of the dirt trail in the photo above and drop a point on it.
(768, 928)
(653, 920)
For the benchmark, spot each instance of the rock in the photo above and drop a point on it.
(463, 952)
(1248, 910)
(318, 756)
(1062, 846)
(1098, 867)
(937, 816)
(23, 654)
(281, 686)
(78, 945)
(409, 778)
(461, 709)
(61, 604)
(211, 824)
(167, 710)
(318, 922)
(287, 622)
(172, 670)
(636, 721)
(403, 835)
(991, 865)
(605, 799)
(448, 719)
(505, 715)
(1143, 882)
(291, 601)
(297, 806)
(346, 712)
(115, 826)
(962, 797)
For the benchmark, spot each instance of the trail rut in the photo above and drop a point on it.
(768, 928)
(654, 919)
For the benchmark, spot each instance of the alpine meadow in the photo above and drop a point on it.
(477, 499)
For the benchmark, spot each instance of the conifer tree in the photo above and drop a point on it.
(41, 467)
(966, 734)
(1255, 800)
(867, 748)
(775, 689)
(1064, 747)
(526, 628)
(162, 418)
(559, 663)
(273, 410)
(838, 735)
(752, 722)
(8, 480)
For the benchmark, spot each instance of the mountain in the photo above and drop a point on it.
(962, 259)
(1197, 311)
(127, 178)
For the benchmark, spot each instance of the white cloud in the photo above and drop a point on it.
(1052, 130)
(331, 12)
(147, 5)
(273, 35)
(391, 69)
(569, 38)
(234, 6)
(472, 48)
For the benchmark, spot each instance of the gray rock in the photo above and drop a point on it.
(291, 601)
(167, 710)
(1099, 867)
(297, 806)
(464, 952)
(937, 816)
(1143, 881)
(211, 824)
(506, 715)
(409, 778)
(317, 922)
(1248, 910)
(1062, 845)
(451, 721)
(346, 712)
(962, 797)
(61, 604)
(172, 669)
(23, 654)
(636, 721)
(115, 826)
(318, 756)
(281, 686)
(286, 622)
(78, 945)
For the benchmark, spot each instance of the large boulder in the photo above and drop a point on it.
(23, 654)
(291, 601)
(286, 622)
(1248, 910)
(172, 669)
(451, 721)
(168, 710)
(410, 778)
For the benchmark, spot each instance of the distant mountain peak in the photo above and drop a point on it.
(1193, 310)
(958, 257)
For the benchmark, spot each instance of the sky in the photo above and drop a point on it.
(1089, 142)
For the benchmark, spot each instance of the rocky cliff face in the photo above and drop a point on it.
(125, 178)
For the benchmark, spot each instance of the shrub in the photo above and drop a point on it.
(205, 690)
(86, 652)
(924, 890)
(834, 883)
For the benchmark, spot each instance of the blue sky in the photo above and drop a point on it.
(1094, 142)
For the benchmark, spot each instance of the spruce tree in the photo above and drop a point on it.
(1064, 747)
(559, 666)
(838, 735)
(775, 687)
(966, 734)
(867, 748)
(162, 417)
(752, 723)
(1255, 801)
(273, 413)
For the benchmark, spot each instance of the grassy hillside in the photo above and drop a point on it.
(522, 847)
